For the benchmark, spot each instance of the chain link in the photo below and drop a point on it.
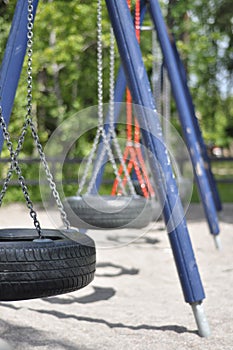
(156, 72)
(49, 175)
(29, 123)
(100, 130)
(100, 99)
(112, 132)
(29, 120)
(15, 167)
(166, 107)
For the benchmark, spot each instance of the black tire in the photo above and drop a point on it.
(35, 268)
(138, 188)
(184, 186)
(108, 212)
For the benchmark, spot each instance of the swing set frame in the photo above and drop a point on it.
(139, 87)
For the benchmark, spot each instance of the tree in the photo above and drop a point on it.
(64, 61)
(208, 56)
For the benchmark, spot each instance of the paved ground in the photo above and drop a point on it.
(135, 301)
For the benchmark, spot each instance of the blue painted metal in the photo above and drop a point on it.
(13, 59)
(185, 117)
(118, 97)
(203, 148)
(119, 91)
(173, 213)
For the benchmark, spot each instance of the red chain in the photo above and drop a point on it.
(133, 147)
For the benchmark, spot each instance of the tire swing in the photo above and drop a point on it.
(116, 211)
(36, 263)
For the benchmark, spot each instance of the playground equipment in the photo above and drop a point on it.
(89, 211)
(191, 130)
(188, 122)
(139, 86)
(172, 210)
(119, 210)
(132, 152)
(39, 262)
(161, 88)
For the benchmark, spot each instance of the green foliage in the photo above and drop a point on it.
(204, 33)
(64, 62)
(65, 75)
(225, 191)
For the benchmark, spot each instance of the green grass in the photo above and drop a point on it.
(225, 193)
(221, 170)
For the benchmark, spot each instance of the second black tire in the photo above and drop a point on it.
(108, 212)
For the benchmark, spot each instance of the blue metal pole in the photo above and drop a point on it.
(118, 97)
(13, 59)
(185, 118)
(173, 213)
(208, 169)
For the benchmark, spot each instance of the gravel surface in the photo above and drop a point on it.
(135, 301)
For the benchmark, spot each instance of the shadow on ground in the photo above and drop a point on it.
(19, 338)
(99, 294)
(111, 325)
(115, 270)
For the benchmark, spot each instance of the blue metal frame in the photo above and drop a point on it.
(10, 74)
(201, 152)
(203, 148)
(118, 97)
(138, 82)
(186, 117)
(13, 59)
(173, 213)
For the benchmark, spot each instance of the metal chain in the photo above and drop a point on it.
(100, 98)
(112, 160)
(112, 132)
(29, 120)
(29, 123)
(100, 63)
(156, 72)
(106, 139)
(100, 130)
(15, 167)
(166, 119)
(49, 176)
(89, 162)
(166, 107)
(11, 168)
(111, 80)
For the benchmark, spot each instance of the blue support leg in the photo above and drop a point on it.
(13, 59)
(118, 97)
(173, 212)
(208, 169)
(185, 118)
